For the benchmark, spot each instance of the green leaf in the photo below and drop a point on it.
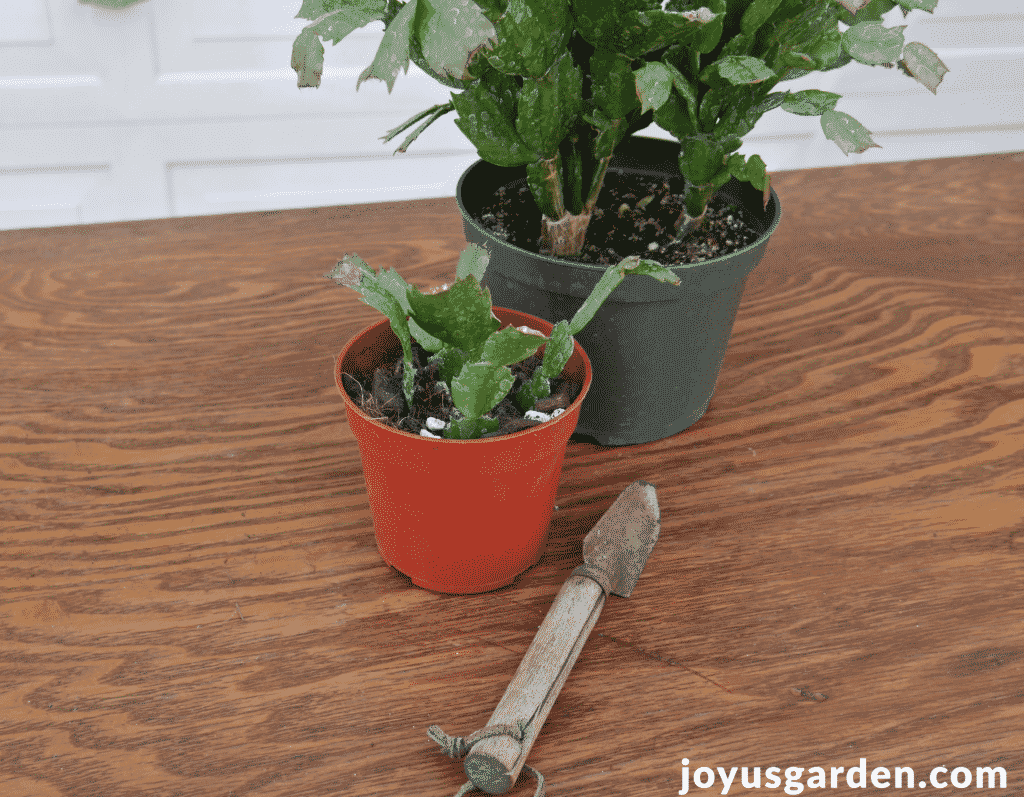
(700, 159)
(338, 20)
(471, 428)
(609, 132)
(424, 338)
(483, 121)
(757, 14)
(557, 351)
(538, 387)
(511, 345)
(810, 102)
(531, 35)
(849, 134)
(549, 106)
(308, 58)
(613, 86)
(393, 53)
(873, 43)
(479, 387)
(709, 108)
(923, 65)
(621, 26)
(611, 278)
(353, 272)
(736, 70)
(451, 34)
(460, 316)
(473, 260)
(653, 85)
(672, 117)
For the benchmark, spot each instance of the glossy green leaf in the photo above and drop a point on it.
(849, 134)
(923, 65)
(538, 387)
(873, 43)
(653, 85)
(924, 5)
(393, 52)
(337, 20)
(612, 83)
(549, 106)
(479, 387)
(483, 121)
(736, 70)
(531, 36)
(757, 14)
(630, 28)
(558, 351)
(810, 102)
(451, 34)
(610, 280)
(471, 428)
(308, 58)
(460, 316)
(511, 345)
(473, 260)
(700, 159)
(680, 121)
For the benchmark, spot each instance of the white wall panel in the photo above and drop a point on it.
(181, 107)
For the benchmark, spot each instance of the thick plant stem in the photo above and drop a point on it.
(564, 236)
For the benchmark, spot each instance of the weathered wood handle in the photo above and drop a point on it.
(493, 764)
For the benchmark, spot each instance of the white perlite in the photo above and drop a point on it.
(425, 433)
(436, 424)
(533, 415)
(557, 412)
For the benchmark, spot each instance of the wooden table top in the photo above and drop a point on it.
(193, 603)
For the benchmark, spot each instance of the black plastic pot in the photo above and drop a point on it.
(656, 349)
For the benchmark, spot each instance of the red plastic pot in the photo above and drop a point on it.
(459, 516)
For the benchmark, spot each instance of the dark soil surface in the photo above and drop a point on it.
(633, 212)
(382, 398)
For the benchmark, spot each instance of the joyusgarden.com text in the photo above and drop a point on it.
(794, 780)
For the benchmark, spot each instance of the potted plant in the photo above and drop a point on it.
(461, 453)
(550, 93)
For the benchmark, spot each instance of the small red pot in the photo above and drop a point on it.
(459, 516)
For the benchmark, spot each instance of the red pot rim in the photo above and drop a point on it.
(519, 319)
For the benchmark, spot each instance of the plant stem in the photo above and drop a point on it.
(564, 236)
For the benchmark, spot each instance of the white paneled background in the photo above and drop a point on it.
(190, 107)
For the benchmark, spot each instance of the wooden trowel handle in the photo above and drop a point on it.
(493, 764)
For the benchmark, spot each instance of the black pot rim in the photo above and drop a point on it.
(710, 263)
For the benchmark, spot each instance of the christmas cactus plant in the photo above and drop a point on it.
(458, 325)
(555, 85)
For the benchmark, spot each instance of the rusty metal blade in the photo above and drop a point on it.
(624, 537)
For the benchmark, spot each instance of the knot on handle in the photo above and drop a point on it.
(458, 746)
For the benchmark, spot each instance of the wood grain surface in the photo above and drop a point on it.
(193, 604)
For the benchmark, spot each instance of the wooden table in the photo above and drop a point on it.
(193, 603)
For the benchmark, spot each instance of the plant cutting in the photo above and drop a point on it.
(471, 352)
(469, 510)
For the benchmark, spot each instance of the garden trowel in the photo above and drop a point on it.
(614, 555)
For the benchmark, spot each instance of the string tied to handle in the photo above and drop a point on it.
(457, 747)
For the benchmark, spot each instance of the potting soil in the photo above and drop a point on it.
(633, 212)
(381, 396)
